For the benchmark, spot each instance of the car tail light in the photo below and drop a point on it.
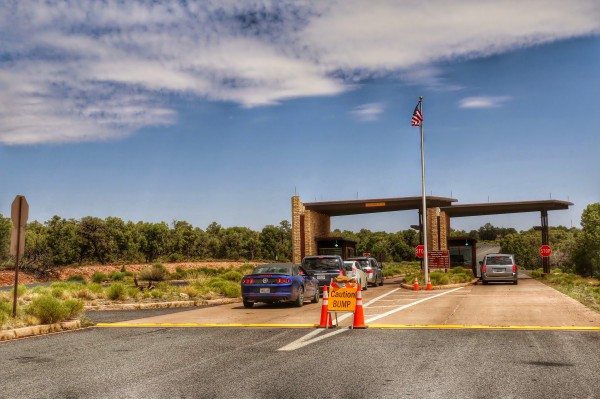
(249, 281)
(483, 268)
(514, 268)
(341, 272)
(369, 271)
(283, 280)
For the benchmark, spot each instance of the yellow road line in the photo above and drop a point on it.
(480, 327)
(181, 325)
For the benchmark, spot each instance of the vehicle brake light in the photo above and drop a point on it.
(249, 281)
(514, 268)
(483, 268)
(341, 272)
(283, 280)
(369, 271)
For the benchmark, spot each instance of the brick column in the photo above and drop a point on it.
(297, 212)
(315, 225)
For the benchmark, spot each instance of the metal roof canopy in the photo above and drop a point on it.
(497, 208)
(356, 207)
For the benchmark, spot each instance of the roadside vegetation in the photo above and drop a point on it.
(400, 268)
(455, 275)
(65, 300)
(584, 289)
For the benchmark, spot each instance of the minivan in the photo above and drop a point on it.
(499, 267)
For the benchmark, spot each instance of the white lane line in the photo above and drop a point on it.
(299, 343)
(409, 305)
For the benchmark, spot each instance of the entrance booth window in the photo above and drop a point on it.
(463, 253)
(336, 246)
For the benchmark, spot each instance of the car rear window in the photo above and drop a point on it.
(273, 269)
(498, 260)
(321, 264)
(363, 262)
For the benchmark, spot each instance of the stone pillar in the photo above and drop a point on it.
(297, 213)
(432, 229)
(315, 225)
(444, 229)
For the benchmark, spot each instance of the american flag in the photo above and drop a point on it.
(417, 117)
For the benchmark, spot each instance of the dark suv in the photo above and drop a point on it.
(324, 267)
(372, 268)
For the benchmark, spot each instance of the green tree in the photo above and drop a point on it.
(586, 256)
(63, 241)
(525, 248)
(5, 231)
(152, 239)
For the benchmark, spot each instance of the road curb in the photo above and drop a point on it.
(163, 305)
(443, 287)
(23, 332)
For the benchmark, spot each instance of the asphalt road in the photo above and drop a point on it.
(247, 363)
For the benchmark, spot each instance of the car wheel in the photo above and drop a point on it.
(248, 305)
(316, 297)
(484, 282)
(300, 300)
(516, 282)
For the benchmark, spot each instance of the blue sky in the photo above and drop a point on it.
(222, 110)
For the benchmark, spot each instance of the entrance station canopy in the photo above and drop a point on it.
(355, 207)
(497, 208)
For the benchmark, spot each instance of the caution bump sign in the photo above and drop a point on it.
(342, 299)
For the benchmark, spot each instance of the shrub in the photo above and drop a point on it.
(48, 309)
(96, 288)
(156, 272)
(225, 287)
(78, 278)
(537, 273)
(116, 276)
(99, 277)
(123, 269)
(58, 292)
(116, 292)
(73, 307)
(21, 290)
(191, 291)
(439, 278)
(457, 269)
(156, 294)
(85, 293)
(5, 312)
(232, 276)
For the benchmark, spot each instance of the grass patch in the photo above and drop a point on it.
(78, 278)
(99, 277)
(116, 292)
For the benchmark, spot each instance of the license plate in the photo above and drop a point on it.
(265, 290)
(320, 277)
(498, 270)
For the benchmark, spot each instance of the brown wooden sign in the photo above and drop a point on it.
(438, 259)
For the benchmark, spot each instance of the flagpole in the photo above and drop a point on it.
(423, 193)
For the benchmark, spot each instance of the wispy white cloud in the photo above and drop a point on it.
(483, 102)
(76, 70)
(368, 112)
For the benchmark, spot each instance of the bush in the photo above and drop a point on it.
(116, 276)
(457, 269)
(58, 292)
(85, 293)
(99, 277)
(232, 276)
(21, 290)
(537, 273)
(225, 287)
(73, 308)
(78, 278)
(116, 292)
(48, 309)
(5, 312)
(439, 278)
(156, 272)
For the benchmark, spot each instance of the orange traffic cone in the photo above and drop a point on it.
(359, 315)
(326, 320)
(428, 286)
(416, 284)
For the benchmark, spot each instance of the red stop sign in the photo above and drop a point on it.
(420, 251)
(545, 251)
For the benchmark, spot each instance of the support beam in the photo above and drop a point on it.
(545, 240)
